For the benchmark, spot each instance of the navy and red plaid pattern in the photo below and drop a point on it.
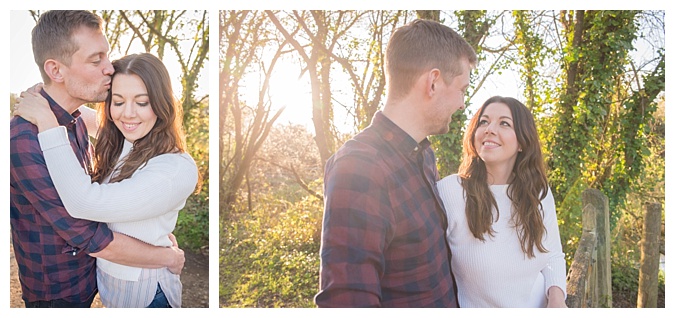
(50, 246)
(383, 240)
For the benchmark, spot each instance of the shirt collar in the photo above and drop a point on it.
(397, 137)
(62, 116)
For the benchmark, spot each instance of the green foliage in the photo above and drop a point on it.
(448, 147)
(627, 234)
(625, 276)
(474, 26)
(626, 280)
(532, 54)
(270, 256)
(569, 213)
(592, 58)
(192, 226)
(634, 141)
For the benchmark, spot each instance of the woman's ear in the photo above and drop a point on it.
(53, 70)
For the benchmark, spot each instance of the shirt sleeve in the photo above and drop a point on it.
(555, 273)
(161, 186)
(357, 227)
(33, 180)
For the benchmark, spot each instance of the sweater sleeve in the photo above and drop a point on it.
(555, 273)
(162, 185)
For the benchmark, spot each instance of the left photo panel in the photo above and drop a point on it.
(109, 159)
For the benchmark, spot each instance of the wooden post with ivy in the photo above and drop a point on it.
(604, 262)
(589, 283)
(581, 286)
(649, 257)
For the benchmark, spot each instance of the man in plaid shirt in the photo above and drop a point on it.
(383, 238)
(53, 250)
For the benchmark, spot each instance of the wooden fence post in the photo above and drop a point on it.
(581, 286)
(604, 262)
(648, 286)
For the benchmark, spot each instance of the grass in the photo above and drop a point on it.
(269, 256)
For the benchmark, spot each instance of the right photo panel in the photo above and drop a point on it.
(441, 158)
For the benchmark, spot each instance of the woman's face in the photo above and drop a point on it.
(130, 108)
(495, 138)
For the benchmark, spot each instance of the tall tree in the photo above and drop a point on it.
(185, 33)
(532, 53)
(365, 67)
(474, 26)
(323, 31)
(244, 127)
(597, 50)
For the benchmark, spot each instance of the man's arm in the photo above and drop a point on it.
(556, 298)
(356, 230)
(132, 252)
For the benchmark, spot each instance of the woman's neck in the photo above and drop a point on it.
(499, 175)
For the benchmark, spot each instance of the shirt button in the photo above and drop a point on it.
(416, 149)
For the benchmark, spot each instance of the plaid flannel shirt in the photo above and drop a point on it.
(50, 246)
(383, 238)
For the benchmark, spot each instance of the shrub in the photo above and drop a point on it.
(270, 256)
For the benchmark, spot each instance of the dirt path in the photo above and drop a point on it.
(195, 279)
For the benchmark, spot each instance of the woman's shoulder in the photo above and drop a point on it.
(450, 186)
(452, 180)
(176, 161)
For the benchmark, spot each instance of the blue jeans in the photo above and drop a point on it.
(160, 300)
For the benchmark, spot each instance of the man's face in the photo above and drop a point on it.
(448, 99)
(87, 78)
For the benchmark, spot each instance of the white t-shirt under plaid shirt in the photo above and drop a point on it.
(144, 206)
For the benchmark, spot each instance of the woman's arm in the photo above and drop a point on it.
(34, 108)
(555, 273)
(162, 185)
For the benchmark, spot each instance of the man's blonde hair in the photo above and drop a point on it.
(422, 45)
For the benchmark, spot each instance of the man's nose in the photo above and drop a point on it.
(108, 68)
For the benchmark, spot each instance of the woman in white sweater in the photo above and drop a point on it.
(502, 225)
(141, 178)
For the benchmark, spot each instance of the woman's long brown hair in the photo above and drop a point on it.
(526, 190)
(166, 136)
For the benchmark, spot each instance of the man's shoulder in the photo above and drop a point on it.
(366, 144)
(21, 127)
(356, 155)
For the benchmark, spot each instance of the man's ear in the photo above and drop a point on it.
(432, 81)
(53, 70)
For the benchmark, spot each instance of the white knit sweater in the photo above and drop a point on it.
(496, 273)
(144, 206)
